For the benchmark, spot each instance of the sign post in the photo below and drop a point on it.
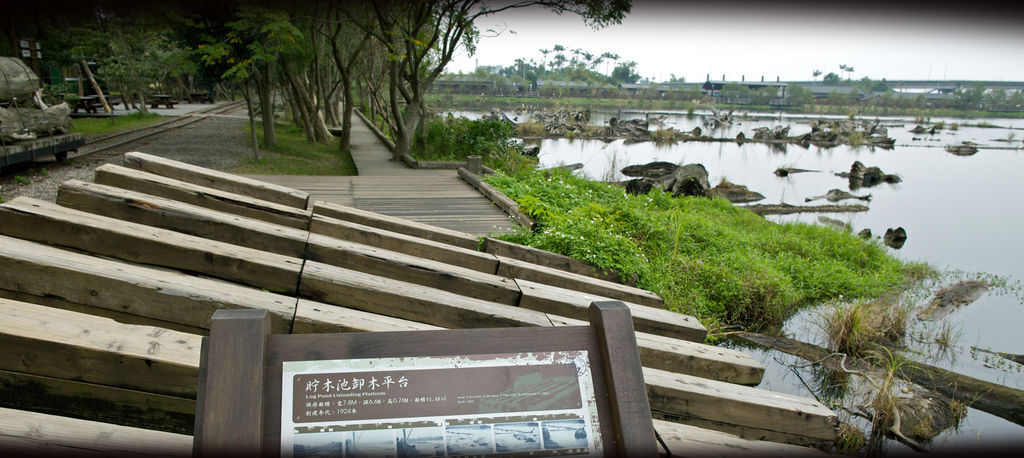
(576, 390)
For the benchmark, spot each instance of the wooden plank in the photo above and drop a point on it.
(377, 220)
(686, 440)
(229, 410)
(494, 195)
(120, 317)
(691, 358)
(574, 304)
(89, 401)
(740, 410)
(147, 292)
(547, 259)
(315, 317)
(385, 296)
(46, 222)
(56, 343)
(402, 243)
(412, 269)
(210, 178)
(30, 432)
(214, 199)
(634, 432)
(514, 268)
(170, 214)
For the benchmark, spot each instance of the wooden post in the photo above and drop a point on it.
(631, 412)
(475, 164)
(230, 401)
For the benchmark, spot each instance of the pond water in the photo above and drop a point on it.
(960, 213)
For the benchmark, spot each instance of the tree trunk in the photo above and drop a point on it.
(252, 121)
(345, 136)
(263, 83)
(95, 85)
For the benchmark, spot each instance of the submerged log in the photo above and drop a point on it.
(998, 400)
(735, 193)
(786, 171)
(785, 209)
(952, 297)
(835, 195)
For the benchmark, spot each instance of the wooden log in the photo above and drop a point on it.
(210, 178)
(785, 209)
(399, 299)
(385, 296)
(89, 401)
(34, 433)
(56, 343)
(514, 268)
(158, 294)
(547, 259)
(46, 222)
(412, 269)
(402, 243)
(214, 199)
(170, 214)
(574, 304)
(686, 440)
(315, 317)
(390, 223)
(494, 195)
(748, 412)
(685, 357)
(120, 317)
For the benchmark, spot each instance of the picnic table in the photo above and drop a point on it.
(200, 97)
(161, 99)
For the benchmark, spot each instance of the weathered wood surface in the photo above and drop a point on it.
(685, 357)
(130, 289)
(574, 304)
(394, 298)
(402, 243)
(30, 432)
(46, 222)
(215, 179)
(90, 401)
(686, 440)
(390, 223)
(412, 269)
(316, 317)
(170, 214)
(546, 258)
(385, 296)
(744, 411)
(56, 343)
(494, 195)
(514, 268)
(214, 199)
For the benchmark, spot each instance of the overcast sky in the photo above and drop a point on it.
(776, 39)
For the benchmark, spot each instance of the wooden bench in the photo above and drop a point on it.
(200, 97)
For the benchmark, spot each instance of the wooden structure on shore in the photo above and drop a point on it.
(106, 293)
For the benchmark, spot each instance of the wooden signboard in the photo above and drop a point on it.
(500, 392)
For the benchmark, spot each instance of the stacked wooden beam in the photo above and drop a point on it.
(106, 293)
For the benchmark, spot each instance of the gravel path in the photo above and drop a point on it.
(217, 142)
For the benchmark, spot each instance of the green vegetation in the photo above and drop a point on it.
(293, 155)
(705, 257)
(114, 123)
(21, 180)
(453, 139)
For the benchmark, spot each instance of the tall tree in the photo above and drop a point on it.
(421, 37)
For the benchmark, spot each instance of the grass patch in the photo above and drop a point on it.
(114, 123)
(293, 155)
(453, 139)
(705, 257)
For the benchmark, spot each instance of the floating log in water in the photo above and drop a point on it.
(785, 209)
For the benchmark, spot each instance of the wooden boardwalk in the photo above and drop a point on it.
(437, 197)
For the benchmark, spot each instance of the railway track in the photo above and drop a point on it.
(97, 149)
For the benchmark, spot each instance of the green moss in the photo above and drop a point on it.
(705, 257)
